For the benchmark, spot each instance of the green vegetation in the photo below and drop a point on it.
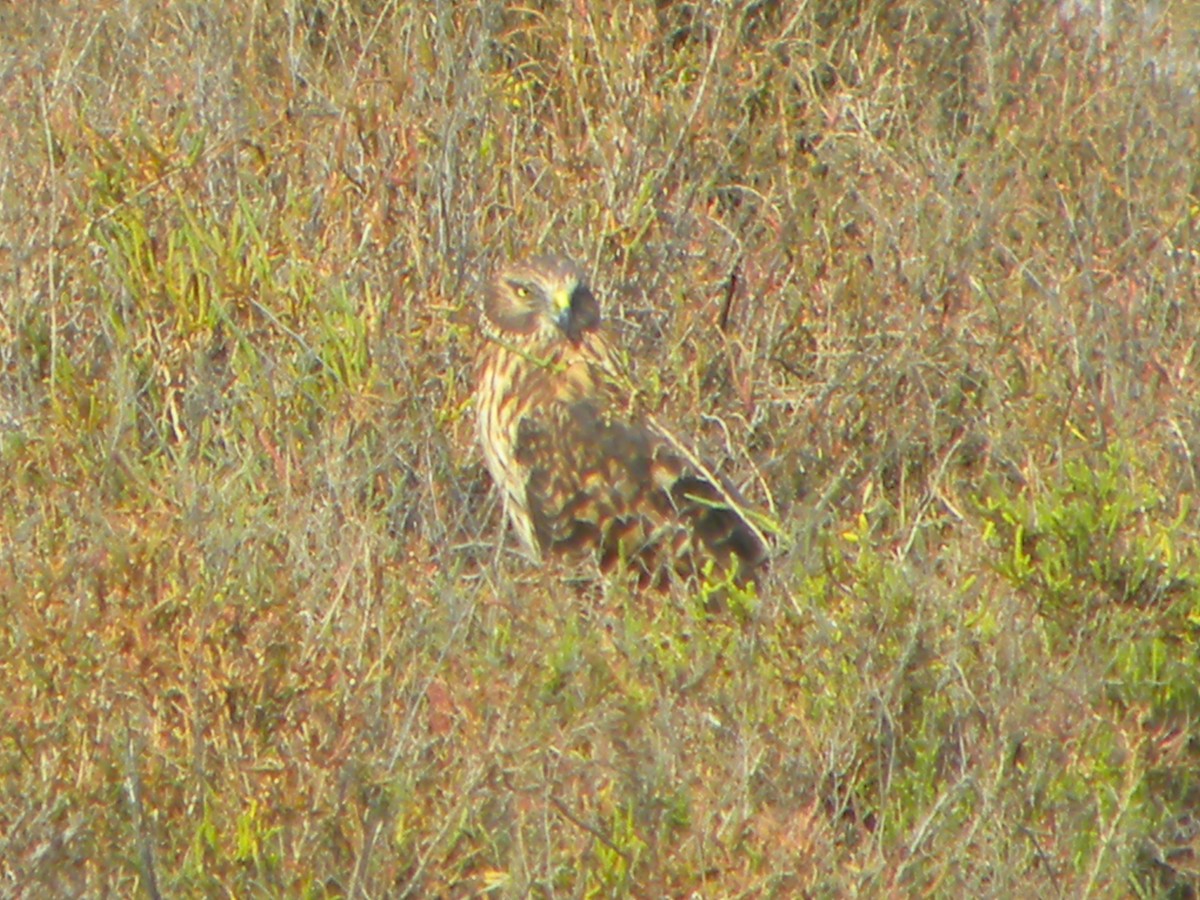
(922, 276)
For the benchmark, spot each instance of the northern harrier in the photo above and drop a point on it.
(582, 468)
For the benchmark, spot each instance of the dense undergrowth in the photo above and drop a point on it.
(921, 276)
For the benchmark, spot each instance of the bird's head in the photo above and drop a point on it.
(545, 296)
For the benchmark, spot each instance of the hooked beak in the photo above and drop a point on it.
(562, 306)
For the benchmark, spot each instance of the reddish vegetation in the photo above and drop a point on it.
(919, 278)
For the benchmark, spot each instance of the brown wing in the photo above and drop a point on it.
(600, 482)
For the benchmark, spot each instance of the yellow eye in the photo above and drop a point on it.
(521, 291)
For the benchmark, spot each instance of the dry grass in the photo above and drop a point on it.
(922, 276)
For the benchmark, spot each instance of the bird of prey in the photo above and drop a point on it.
(583, 468)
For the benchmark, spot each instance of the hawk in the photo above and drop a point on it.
(583, 468)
